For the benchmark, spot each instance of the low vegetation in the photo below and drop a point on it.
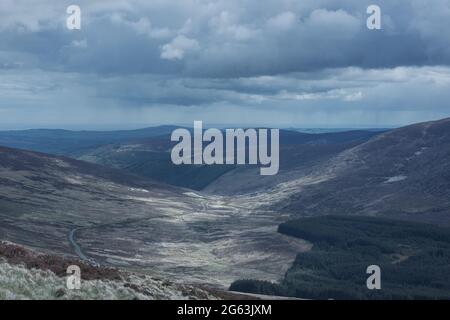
(26, 274)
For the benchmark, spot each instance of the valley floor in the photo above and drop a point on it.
(215, 242)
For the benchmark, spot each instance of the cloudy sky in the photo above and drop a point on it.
(288, 63)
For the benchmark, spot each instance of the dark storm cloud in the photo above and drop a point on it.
(295, 61)
(227, 39)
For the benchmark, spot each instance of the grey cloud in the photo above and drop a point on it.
(226, 39)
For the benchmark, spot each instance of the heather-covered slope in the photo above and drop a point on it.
(26, 274)
(402, 173)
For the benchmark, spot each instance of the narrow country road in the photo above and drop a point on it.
(76, 247)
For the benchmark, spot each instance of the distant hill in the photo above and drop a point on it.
(146, 152)
(151, 158)
(403, 173)
(68, 143)
(300, 153)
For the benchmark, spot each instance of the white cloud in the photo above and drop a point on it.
(25, 17)
(143, 26)
(225, 24)
(334, 94)
(283, 21)
(177, 48)
(356, 96)
(338, 24)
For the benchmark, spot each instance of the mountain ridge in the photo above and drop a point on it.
(402, 173)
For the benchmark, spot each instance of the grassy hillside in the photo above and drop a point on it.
(403, 173)
(414, 260)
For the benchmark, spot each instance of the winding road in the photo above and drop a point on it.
(77, 248)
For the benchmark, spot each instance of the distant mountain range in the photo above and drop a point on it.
(146, 152)
(66, 142)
